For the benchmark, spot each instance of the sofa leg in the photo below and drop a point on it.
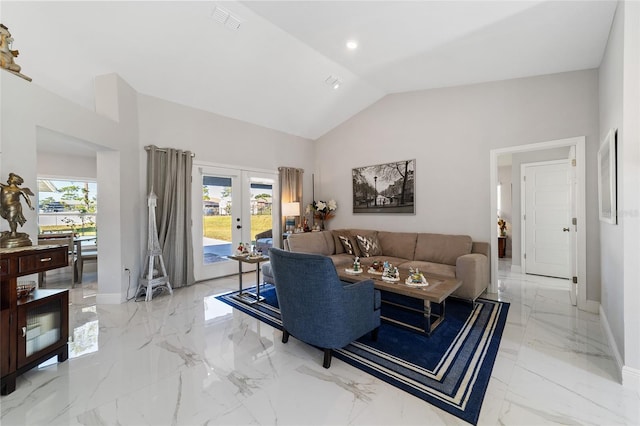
(374, 334)
(285, 336)
(327, 358)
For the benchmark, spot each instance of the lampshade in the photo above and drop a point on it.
(291, 209)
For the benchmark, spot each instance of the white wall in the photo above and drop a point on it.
(27, 107)
(222, 141)
(611, 236)
(66, 166)
(630, 138)
(450, 133)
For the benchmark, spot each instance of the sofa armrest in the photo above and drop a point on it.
(473, 270)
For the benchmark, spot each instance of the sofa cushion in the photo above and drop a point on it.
(347, 245)
(368, 261)
(440, 248)
(311, 242)
(369, 245)
(342, 260)
(398, 244)
(430, 268)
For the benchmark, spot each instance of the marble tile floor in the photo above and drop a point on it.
(189, 359)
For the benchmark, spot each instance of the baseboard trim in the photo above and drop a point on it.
(592, 306)
(516, 268)
(109, 298)
(604, 323)
(631, 379)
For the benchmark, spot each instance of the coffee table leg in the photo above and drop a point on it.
(427, 317)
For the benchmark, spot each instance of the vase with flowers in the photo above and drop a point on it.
(322, 211)
(502, 224)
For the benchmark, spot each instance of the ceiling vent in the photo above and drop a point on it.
(226, 18)
(333, 81)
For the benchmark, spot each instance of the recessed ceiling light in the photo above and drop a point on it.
(352, 44)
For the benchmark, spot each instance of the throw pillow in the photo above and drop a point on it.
(346, 243)
(369, 245)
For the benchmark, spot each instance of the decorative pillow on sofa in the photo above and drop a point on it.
(346, 243)
(369, 245)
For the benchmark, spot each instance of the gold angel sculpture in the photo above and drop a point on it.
(11, 210)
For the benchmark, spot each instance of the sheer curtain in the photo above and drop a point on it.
(169, 177)
(290, 180)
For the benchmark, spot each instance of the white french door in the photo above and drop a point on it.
(229, 207)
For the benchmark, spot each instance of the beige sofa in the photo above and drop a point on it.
(449, 255)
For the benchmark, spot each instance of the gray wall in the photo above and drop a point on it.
(450, 133)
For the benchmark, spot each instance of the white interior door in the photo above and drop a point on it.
(573, 232)
(547, 219)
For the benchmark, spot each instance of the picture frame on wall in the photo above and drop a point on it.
(385, 188)
(607, 179)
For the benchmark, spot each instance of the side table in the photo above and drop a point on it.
(502, 246)
(245, 296)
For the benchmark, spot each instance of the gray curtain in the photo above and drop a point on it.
(169, 177)
(290, 180)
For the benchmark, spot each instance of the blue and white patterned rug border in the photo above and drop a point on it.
(459, 381)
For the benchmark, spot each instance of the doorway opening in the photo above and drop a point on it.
(230, 207)
(575, 145)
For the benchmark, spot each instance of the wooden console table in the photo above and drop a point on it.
(34, 328)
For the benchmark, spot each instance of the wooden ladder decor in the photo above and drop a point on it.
(155, 275)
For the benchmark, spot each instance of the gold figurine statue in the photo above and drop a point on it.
(7, 55)
(11, 210)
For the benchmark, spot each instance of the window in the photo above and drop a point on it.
(67, 205)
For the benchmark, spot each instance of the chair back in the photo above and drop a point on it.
(61, 238)
(309, 293)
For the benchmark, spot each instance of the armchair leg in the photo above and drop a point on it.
(327, 358)
(374, 334)
(285, 336)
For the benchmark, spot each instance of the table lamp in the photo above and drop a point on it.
(290, 211)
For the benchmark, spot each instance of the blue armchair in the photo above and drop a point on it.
(319, 309)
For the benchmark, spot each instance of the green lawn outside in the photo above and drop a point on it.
(219, 227)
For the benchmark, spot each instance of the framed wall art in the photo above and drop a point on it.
(607, 179)
(385, 188)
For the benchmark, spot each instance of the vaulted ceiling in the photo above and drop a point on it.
(274, 63)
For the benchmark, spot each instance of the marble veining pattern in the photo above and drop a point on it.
(189, 359)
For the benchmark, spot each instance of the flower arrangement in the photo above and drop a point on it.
(502, 224)
(322, 210)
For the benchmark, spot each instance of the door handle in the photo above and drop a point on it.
(238, 226)
(565, 229)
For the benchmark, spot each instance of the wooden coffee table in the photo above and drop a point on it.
(437, 291)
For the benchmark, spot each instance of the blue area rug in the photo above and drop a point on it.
(451, 369)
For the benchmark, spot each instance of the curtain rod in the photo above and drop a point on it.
(291, 168)
(148, 148)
